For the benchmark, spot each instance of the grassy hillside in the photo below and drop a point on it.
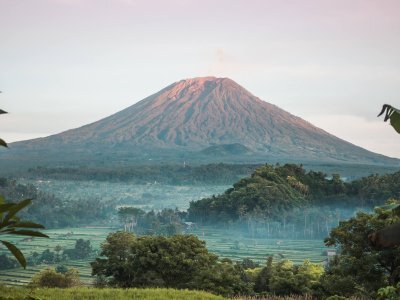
(17, 293)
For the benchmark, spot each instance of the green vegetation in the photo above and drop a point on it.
(52, 278)
(82, 293)
(284, 278)
(175, 262)
(41, 253)
(359, 269)
(393, 114)
(286, 201)
(11, 224)
(53, 211)
(362, 269)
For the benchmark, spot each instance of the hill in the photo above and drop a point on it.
(207, 119)
(275, 191)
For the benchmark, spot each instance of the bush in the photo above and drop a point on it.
(50, 278)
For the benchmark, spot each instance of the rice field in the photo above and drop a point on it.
(221, 242)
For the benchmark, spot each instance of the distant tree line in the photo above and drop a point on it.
(166, 222)
(52, 211)
(214, 174)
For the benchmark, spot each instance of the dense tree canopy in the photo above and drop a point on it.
(362, 268)
(180, 261)
(273, 191)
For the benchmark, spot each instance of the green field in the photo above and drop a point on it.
(106, 294)
(221, 242)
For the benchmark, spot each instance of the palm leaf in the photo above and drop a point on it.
(6, 207)
(27, 224)
(393, 114)
(26, 232)
(395, 120)
(16, 252)
(15, 209)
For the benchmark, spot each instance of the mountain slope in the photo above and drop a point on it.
(194, 114)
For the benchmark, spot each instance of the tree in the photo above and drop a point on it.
(82, 250)
(7, 263)
(180, 261)
(285, 278)
(365, 268)
(129, 216)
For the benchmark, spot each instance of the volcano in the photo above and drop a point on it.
(203, 117)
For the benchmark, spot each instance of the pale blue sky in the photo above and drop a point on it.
(65, 63)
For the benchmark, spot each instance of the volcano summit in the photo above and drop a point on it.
(202, 117)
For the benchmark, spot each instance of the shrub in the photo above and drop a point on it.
(51, 278)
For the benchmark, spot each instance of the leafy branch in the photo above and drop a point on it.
(11, 224)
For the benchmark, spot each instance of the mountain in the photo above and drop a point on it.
(199, 117)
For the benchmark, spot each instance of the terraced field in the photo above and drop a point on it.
(66, 238)
(221, 242)
(237, 247)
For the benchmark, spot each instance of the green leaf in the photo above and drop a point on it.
(2, 112)
(16, 252)
(3, 143)
(28, 233)
(6, 207)
(27, 224)
(16, 208)
(395, 120)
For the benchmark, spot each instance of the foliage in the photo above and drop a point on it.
(53, 211)
(173, 262)
(389, 292)
(51, 278)
(7, 263)
(12, 225)
(285, 278)
(393, 114)
(361, 268)
(289, 193)
(82, 250)
(247, 263)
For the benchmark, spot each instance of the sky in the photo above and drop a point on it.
(67, 63)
